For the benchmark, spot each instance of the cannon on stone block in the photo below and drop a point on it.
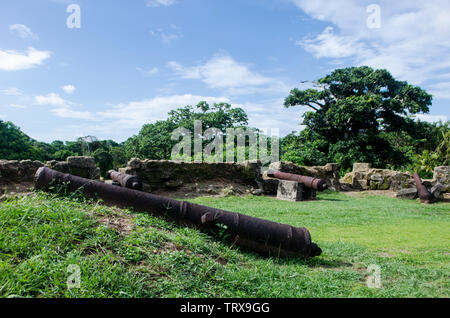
(293, 187)
(125, 180)
(309, 182)
(262, 236)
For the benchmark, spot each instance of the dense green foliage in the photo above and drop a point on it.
(14, 144)
(126, 254)
(154, 141)
(352, 114)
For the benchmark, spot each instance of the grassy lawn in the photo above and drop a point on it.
(126, 254)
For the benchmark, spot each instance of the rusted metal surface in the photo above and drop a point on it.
(265, 237)
(424, 195)
(126, 180)
(309, 182)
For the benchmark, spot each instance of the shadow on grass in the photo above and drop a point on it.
(329, 199)
(325, 263)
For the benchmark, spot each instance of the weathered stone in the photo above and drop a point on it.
(437, 191)
(290, 191)
(84, 167)
(442, 176)
(346, 187)
(409, 194)
(360, 184)
(361, 167)
(347, 179)
(13, 171)
(162, 173)
(379, 182)
(82, 162)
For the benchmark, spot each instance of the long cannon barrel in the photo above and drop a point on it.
(265, 237)
(126, 180)
(424, 194)
(309, 182)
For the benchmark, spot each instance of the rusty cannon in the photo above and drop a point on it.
(309, 182)
(126, 180)
(424, 195)
(263, 236)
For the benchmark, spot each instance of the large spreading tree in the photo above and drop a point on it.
(351, 111)
(154, 141)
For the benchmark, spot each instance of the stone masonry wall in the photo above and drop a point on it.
(19, 175)
(167, 174)
(364, 177)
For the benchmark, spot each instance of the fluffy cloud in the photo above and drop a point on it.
(149, 72)
(23, 31)
(61, 107)
(13, 60)
(137, 113)
(413, 41)
(223, 72)
(68, 89)
(12, 91)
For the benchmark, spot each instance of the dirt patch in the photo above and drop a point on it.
(121, 223)
(213, 188)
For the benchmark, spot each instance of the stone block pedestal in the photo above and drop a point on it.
(294, 191)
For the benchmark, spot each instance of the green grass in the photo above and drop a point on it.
(41, 235)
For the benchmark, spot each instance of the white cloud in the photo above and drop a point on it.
(62, 108)
(137, 113)
(69, 113)
(51, 99)
(413, 42)
(223, 72)
(13, 60)
(330, 45)
(431, 118)
(158, 3)
(148, 72)
(68, 89)
(23, 31)
(12, 91)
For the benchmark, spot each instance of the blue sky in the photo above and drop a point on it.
(131, 62)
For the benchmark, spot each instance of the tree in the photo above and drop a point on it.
(15, 145)
(104, 160)
(154, 140)
(351, 108)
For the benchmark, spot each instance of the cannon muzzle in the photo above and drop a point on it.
(126, 180)
(424, 195)
(263, 236)
(309, 182)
